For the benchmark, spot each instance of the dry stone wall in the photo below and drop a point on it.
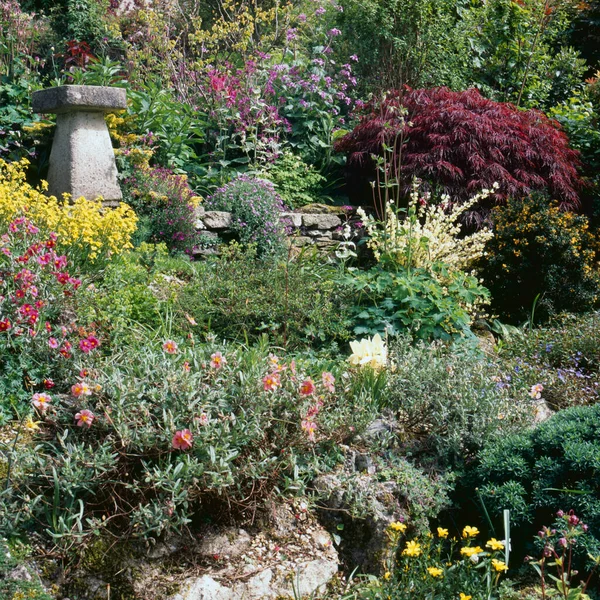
(322, 226)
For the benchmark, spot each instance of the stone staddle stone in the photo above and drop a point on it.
(82, 160)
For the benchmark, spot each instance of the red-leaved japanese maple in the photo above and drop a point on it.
(461, 142)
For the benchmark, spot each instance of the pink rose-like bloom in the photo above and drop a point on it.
(53, 343)
(328, 381)
(81, 389)
(183, 440)
(170, 347)
(84, 417)
(309, 427)
(41, 402)
(307, 387)
(88, 344)
(536, 391)
(271, 382)
(217, 360)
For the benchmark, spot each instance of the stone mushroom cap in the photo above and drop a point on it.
(71, 98)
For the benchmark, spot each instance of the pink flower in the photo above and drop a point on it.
(309, 427)
(186, 366)
(217, 360)
(271, 382)
(202, 419)
(183, 440)
(84, 417)
(328, 381)
(41, 402)
(88, 344)
(53, 343)
(170, 347)
(307, 387)
(81, 389)
(536, 391)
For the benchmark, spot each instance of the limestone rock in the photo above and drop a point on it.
(267, 584)
(321, 221)
(229, 543)
(291, 218)
(217, 219)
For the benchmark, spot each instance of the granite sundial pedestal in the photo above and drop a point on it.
(82, 160)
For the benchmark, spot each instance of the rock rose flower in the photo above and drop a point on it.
(183, 440)
(84, 417)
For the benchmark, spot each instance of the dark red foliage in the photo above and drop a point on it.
(461, 142)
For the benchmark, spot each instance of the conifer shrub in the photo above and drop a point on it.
(460, 142)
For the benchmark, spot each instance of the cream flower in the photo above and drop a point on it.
(369, 351)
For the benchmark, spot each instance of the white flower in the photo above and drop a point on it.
(372, 352)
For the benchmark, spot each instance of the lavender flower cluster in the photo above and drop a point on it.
(255, 209)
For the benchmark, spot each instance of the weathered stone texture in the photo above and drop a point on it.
(82, 160)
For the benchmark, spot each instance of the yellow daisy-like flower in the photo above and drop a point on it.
(464, 597)
(435, 571)
(499, 565)
(30, 424)
(398, 526)
(470, 550)
(469, 531)
(495, 544)
(442, 533)
(412, 549)
(387, 575)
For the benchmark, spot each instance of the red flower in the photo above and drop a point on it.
(5, 325)
(307, 387)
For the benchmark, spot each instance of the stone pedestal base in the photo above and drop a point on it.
(82, 161)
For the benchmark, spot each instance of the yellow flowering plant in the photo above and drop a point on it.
(86, 228)
(437, 566)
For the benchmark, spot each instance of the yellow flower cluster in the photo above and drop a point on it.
(84, 224)
(236, 27)
(430, 233)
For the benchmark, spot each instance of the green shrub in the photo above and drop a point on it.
(555, 466)
(296, 302)
(427, 303)
(539, 250)
(168, 204)
(450, 399)
(147, 441)
(255, 209)
(562, 357)
(295, 181)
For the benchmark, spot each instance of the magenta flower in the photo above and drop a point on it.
(53, 343)
(183, 440)
(84, 417)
